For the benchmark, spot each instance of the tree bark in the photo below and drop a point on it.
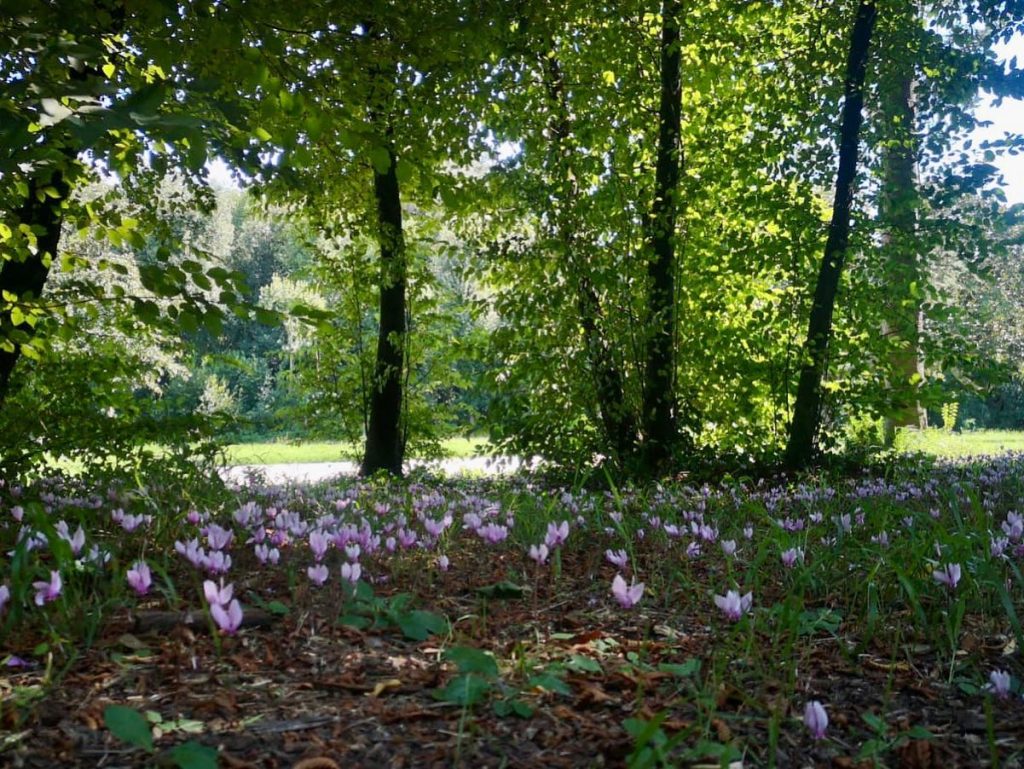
(385, 448)
(618, 424)
(661, 434)
(804, 428)
(26, 279)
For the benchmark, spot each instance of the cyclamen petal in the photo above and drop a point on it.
(627, 596)
(351, 572)
(617, 558)
(733, 605)
(948, 575)
(139, 577)
(816, 719)
(229, 618)
(318, 574)
(539, 553)
(48, 591)
(999, 684)
(215, 595)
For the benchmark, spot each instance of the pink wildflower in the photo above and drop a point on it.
(627, 596)
(139, 577)
(733, 605)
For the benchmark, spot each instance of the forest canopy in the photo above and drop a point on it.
(639, 235)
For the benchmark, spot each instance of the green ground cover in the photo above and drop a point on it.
(963, 444)
(329, 451)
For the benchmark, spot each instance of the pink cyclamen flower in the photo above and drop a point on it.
(217, 596)
(318, 543)
(228, 618)
(557, 534)
(266, 554)
(218, 538)
(733, 605)
(48, 591)
(492, 533)
(627, 596)
(539, 553)
(999, 684)
(617, 558)
(816, 719)
(139, 577)
(350, 572)
(948, 575)
(791, 556)
(318, 574)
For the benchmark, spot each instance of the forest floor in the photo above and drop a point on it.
(301, 691)
(458, 648)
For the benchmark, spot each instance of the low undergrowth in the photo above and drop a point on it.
(874, 620)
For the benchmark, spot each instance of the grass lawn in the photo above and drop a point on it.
(965, 444)
(333, 451)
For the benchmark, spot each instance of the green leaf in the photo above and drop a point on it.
(420, 625)
(463, 690)
(682, 670)
(128, 725)
(470, 660)
(504, 590)
(354, 620)
(403, 171)
(380, 158)
(278, 608)
(192, 755)
(551, 683)
(512, 707)
(579, 663)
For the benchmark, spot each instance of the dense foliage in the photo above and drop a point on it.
(592, 232)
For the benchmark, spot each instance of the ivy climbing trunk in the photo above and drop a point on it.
(804, 428)
(660, 419)
(26, 278)
(898, 213)
(617, 422)
(385, 448)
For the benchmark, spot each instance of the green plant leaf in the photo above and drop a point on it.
(128, 725)
(420, 625)
(465, 690)
(470, 660)
(192, 755)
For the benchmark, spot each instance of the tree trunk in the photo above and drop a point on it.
(897, 211)
(618, 424)
(661, 435)
(807, 409)
(384, 446)
(26, 279)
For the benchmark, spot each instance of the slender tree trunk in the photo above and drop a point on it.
(897, 211)
(384, 446)
(660, 419)
(807, 409)
(617, 421)
(26, 279)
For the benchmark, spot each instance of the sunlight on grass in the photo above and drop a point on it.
(334, 451)
(974, 443)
